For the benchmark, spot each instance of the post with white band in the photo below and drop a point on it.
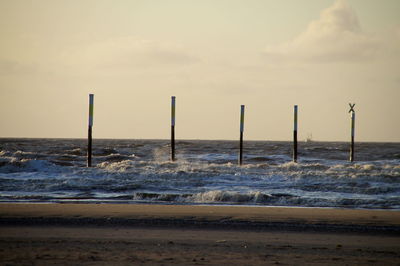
(173, 128)
(241, 134)
(89, 151)
(295, 135)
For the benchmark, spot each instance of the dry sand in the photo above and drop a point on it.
(119, 234)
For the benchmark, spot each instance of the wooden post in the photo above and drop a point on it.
(173, 128)
(353, 119)
(241, 134)
(295, 135)
(89, 151)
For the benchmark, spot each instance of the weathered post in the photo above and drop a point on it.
(353, 118)
(241, 134)
(89, 151)
(295, 135)
(173, 128)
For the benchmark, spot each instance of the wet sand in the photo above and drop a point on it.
(119, 234)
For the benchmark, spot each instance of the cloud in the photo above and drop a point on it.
(128, 53)
(12, 67)
(335, 37)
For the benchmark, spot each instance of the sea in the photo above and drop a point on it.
(205, 172)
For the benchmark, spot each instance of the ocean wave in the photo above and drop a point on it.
(229, 196)
(76, 151)
(119, 166)
(116, 157)
(205, 172)
(104, 151)
(260, 198)
(14, 165)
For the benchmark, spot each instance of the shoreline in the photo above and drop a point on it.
(203, 216)
(162, 203)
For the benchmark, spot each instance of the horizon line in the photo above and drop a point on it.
(190, 139)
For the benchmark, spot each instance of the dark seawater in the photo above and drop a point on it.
(206, 172)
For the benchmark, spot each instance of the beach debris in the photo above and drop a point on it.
(220, 241)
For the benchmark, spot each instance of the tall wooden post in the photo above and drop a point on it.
(173, 128)
(295, 135)
(353, 120)
(241, 134)
(89, 151)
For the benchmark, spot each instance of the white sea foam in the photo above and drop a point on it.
(216, 196)
(121, 166)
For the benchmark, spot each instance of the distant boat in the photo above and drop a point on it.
(309, 138)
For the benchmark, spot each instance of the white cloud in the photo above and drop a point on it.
(335, 37)
(128, 53)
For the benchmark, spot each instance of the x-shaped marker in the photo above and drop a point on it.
(352, 107)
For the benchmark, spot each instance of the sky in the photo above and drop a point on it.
(213, 55)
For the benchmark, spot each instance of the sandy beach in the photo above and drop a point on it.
(122, 234)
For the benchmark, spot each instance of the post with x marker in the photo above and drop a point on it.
(353, 118)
